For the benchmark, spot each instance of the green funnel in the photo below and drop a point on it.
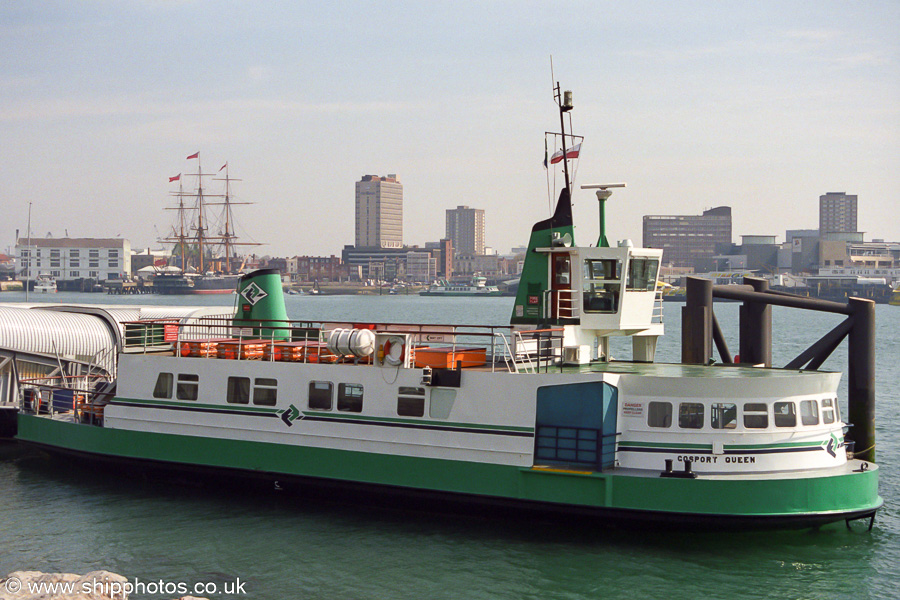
(260, 305)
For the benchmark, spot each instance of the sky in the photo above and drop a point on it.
(761, 106)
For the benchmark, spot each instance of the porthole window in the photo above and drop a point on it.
(756, 415)
(320, 395)
(809, 412)
(723, 415)
(411, 402)
(265, 391)
(187, 388)
(828, 411)
(350, 397)
(238, 390)
(785, 414)
(690, 415)
(659, 414)
(163, 387)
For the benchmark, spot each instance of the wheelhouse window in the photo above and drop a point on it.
(642, 274)
(163, 387)
(659, 414)
(723, 415)
(350, 397)
(320, 395)
(411, 402)
(238, 390)
(809, 412)
(785, 414)
(187, 388)
(756, 415)
(828, 411)
(265, 391)
(602, 285)
(690, 415)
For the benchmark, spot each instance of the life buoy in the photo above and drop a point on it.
(394, 351)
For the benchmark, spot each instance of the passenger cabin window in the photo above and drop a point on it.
(411, 402)
(642, 274)
(809, 412)
(238, 391)
(723, 415)
(602, 285)
(265, 391)
(320, 394)
(350, 397)
(163, 387)
(659, 414)
(756, 415)
(828, 411)
(441, 403)
(785, 414)
(690, 415)
(187, 386)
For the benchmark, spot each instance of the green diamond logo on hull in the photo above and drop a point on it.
(290, 415)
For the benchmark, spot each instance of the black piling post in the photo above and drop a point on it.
(756, 327)
(861, 378)
(696, 322)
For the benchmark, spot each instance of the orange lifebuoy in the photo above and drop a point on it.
(394, 351)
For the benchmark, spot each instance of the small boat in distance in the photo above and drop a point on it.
(45, 284)
(477, 286)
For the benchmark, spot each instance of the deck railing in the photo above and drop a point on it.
(493, 347)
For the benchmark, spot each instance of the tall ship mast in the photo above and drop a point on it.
(198, 242)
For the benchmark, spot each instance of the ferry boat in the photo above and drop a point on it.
(535, 415)
(476, 287)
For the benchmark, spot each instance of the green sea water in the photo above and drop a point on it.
(56, 517)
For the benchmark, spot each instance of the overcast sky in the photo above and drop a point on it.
(762, 106)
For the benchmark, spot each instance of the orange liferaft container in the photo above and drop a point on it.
(447, 358)
(284, 351)
(243, 350)
(202, 348)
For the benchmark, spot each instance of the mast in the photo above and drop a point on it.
(30, 254)
(564, 101)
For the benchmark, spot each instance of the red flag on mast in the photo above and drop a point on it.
(194, 155)
(570, 153)
(223, 166)
(176, 178)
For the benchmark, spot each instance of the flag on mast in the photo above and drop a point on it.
(194, 155)
(222, 167)
(176, 178)
(570, 153)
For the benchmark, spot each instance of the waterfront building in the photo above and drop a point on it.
(686, 238)
(465, 228)
(72, 261)
(379, 212)
(837, 213)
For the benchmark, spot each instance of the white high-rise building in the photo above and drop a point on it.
(379, 212)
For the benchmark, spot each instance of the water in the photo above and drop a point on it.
(55, 518)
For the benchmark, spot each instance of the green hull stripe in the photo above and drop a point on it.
(752, 497)
(245, 409)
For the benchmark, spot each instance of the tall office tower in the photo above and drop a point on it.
(837, 213)
(379, 212)
(685, 238)
(465, 230)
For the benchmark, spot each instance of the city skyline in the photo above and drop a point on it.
(762, 107)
